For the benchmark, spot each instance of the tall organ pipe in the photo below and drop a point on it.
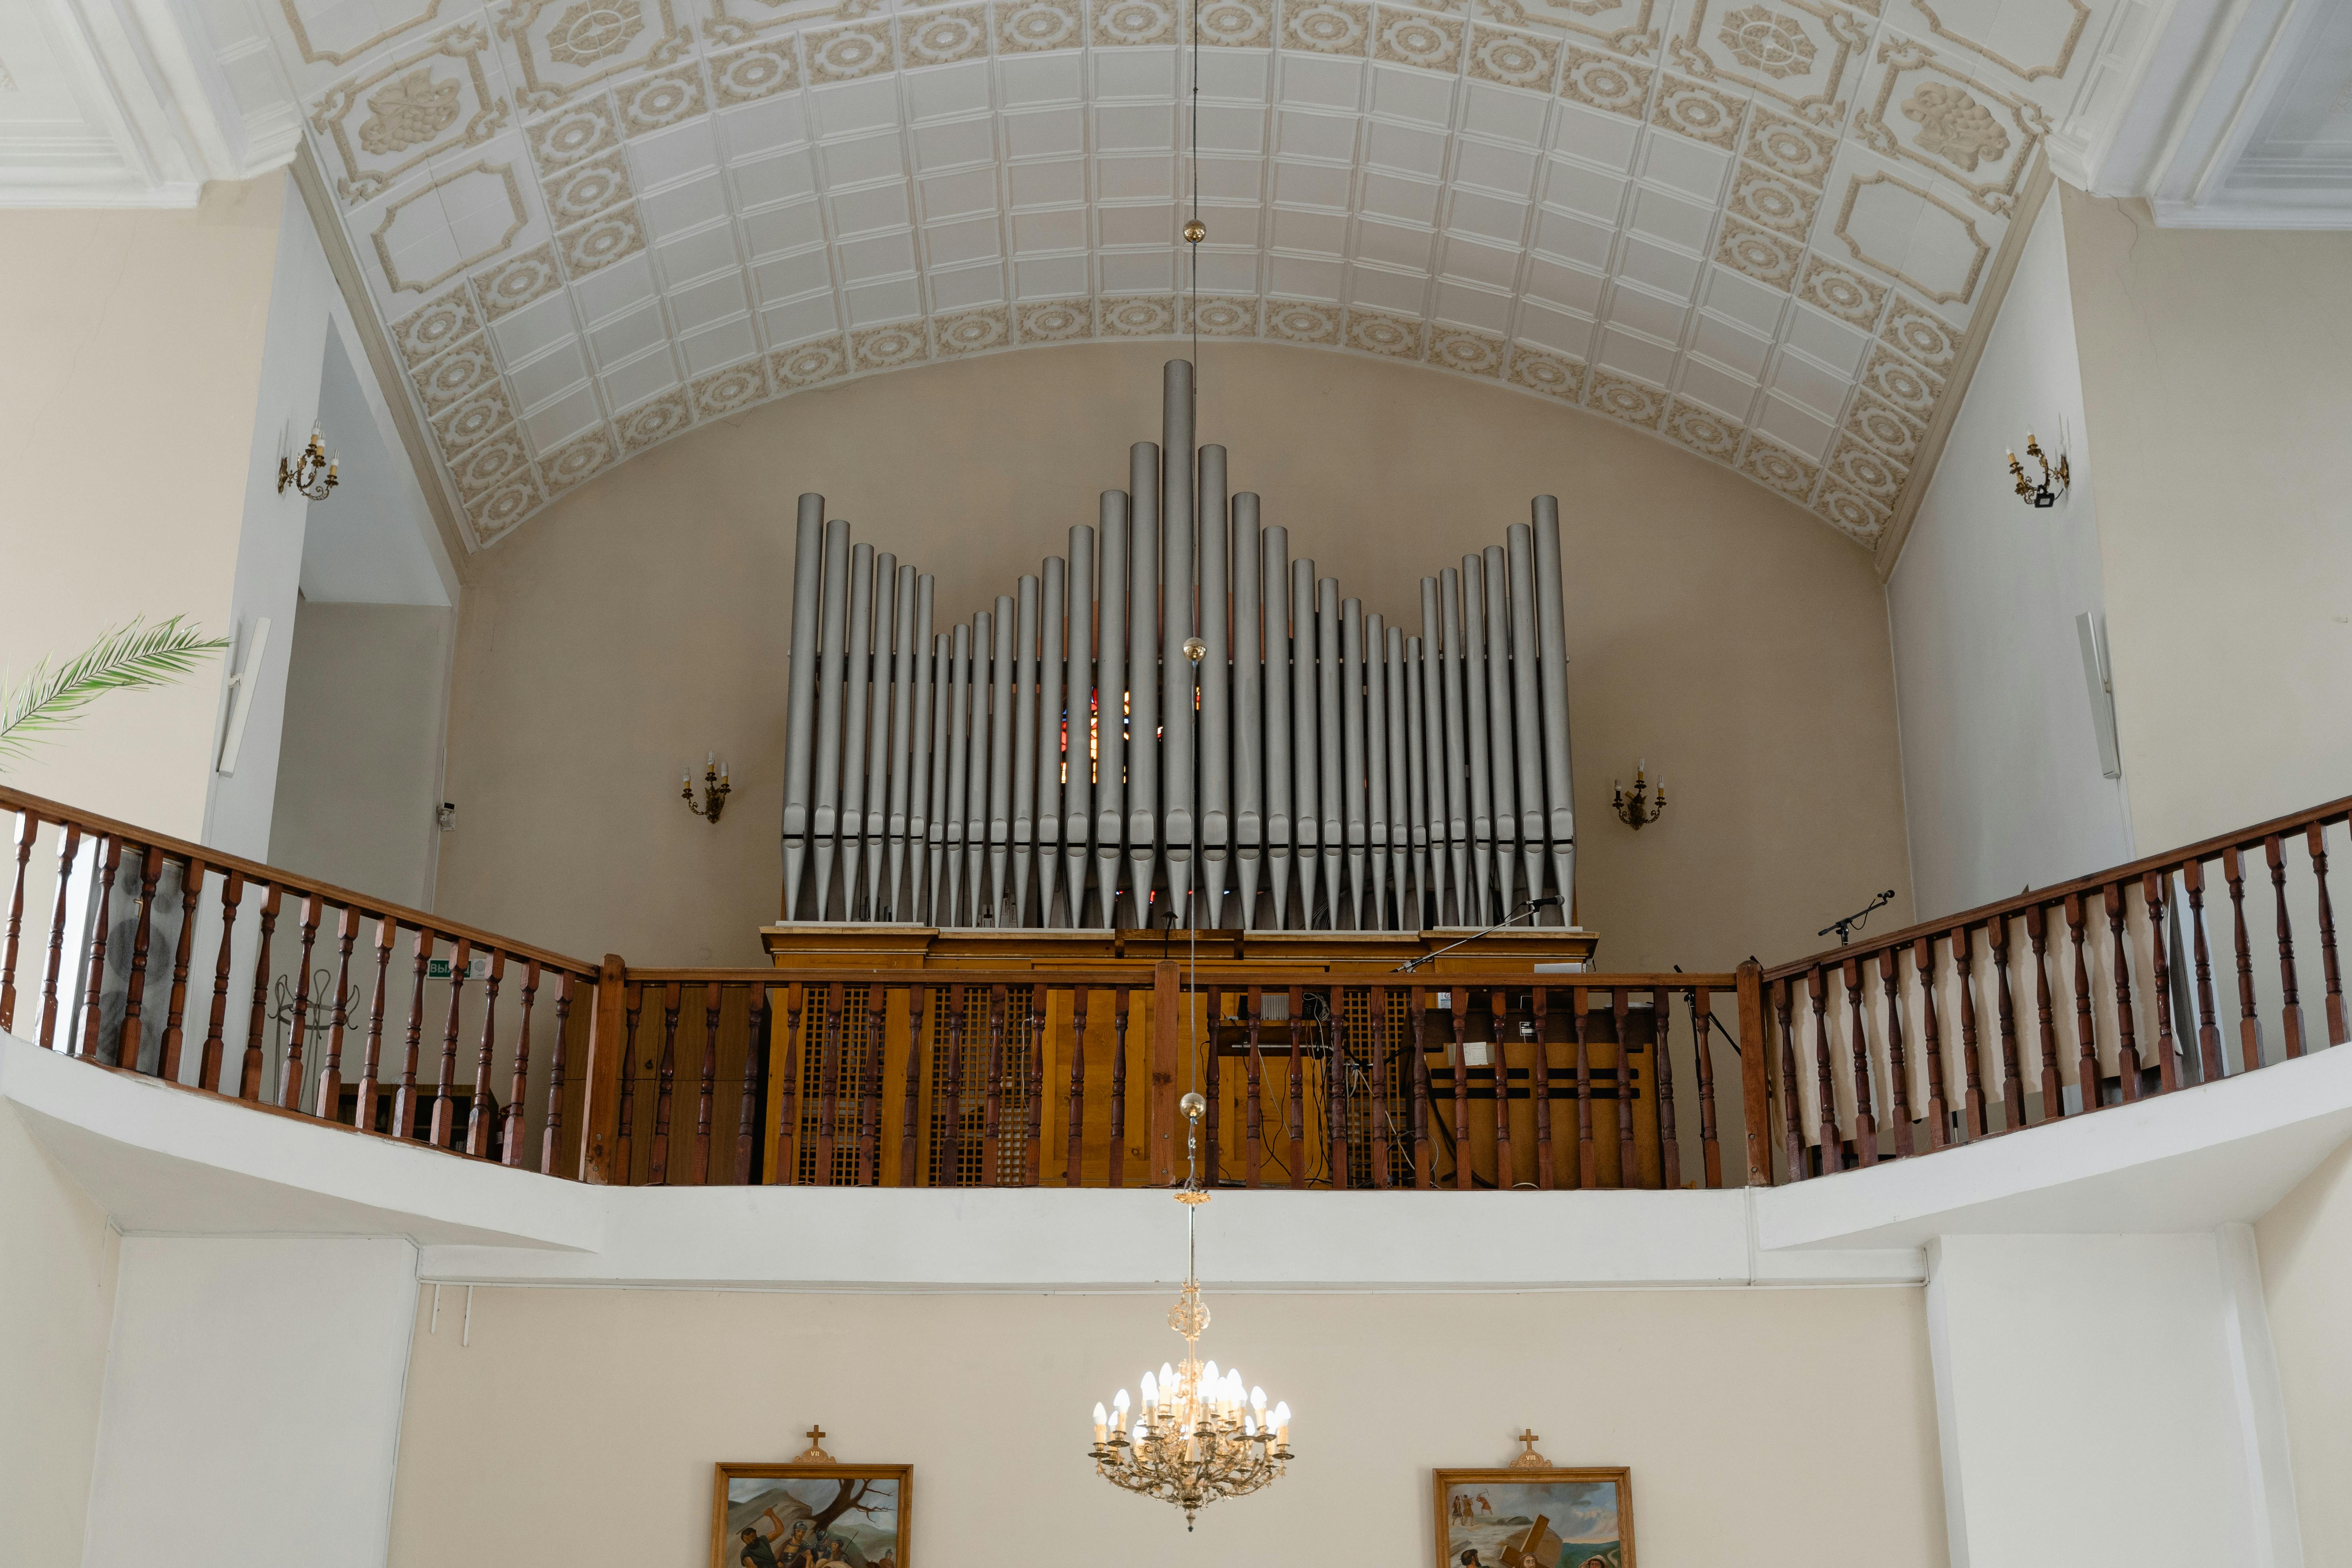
(1051, 661)
(1078, 788)
(800, 707)
(1000, 756)
(912, 641)
(860, 668)
(1376, 767)
(1144, 609)
(1457, 777)
(1180, 718)
(1474, 733)
(1250, 659)
(1560, 788)
(1432, 731)
(958, 770)
(1111, 688)
(1526, 704)
(835, 688)
(1328, 726)
(1352, 751)
(1498, 724)
(1025, 747)
(1416, 757)
(1400, 813)
(1306, 746)
(932, 724)
(1274, 575)
(1215, 835)
(919, 772)
(877, 744)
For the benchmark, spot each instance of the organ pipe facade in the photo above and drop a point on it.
(1062, 761)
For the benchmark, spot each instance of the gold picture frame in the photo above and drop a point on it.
(791, 1523)
(1553, 1518)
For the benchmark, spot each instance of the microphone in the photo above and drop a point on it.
(1548, 902)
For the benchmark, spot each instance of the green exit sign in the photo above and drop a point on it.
(477, 968)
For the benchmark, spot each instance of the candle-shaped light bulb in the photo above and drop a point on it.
(1257, 1398)
(1209, 1377)
(1102, 1422)
(332, 464)
(1281, 1419)
(1120, 1405)
(1167, 1381)
(1150, 1391)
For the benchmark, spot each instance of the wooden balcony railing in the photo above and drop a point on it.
(1921, 1039)
(1009, 1076)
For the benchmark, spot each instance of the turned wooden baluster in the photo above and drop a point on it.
(788, 1101)
(1939, 1109)
(551, 1133)
(478, 1112)
(1670, 1154)
(2316, 837)
(1865, 1125)
(991, 1130)
(1507, 1166)
(665, 1087)
(2037, 933)
(707, 1094)
(1539, 1088)
(2249, 1027)
(2012, 1071)
(1621, 1092)
(290, 1071)
(918, 1015)
(93, 996)
(1297, 1099)
(511, 1121)
(633, 1005)
(1460, 1001)
(2290, 1005)
(2209, 1026)
(1898, 1067)
(404, 1097)
(28, 828)
(1074, 1169)
(1379, 1144)
(387, 931)
(134, 987)
(1588, 1161)
(2086, 1059)
(1424, 1156)
(1973, 1092)
(1033, 1156)
(192, 886)
(1211, 1153)
(1792, 1132)
(1114, 1174)
(1335, 1105)
(249, 1077)
(870, 1087)
(828, 1083)
(331, 1082)
(1252, 1117)
(957, 1021)
(2167, 1053)
(1701, 1002)
(445, 1103)
(1832, 1149)
(2128, 1062)
(69, 846)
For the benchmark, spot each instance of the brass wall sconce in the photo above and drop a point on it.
(715, 790)
(2053, 482)
(312, 474)
(1638, 810)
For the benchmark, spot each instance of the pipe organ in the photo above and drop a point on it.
(1176, 722)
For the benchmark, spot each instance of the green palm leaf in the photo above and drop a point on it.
(135, 658)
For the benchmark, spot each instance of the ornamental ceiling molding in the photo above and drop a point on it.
(1768, 232)
(314, 55)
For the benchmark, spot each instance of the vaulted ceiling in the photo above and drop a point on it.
(1766, 231)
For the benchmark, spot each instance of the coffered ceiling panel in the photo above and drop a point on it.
(1763, 230)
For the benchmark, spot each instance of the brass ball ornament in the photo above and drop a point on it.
(1195, 231)
(1195, 649)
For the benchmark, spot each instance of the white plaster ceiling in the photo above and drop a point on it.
(1762, 229)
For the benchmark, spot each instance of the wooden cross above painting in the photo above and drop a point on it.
(804, 1515)
(1528, 1518)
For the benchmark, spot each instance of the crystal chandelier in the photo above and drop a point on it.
(1200, 1434)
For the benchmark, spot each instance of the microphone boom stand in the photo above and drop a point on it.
(1548, 902)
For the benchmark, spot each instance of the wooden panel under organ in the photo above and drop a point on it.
(1176, 722)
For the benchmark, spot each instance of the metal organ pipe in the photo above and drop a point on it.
(1060, 751)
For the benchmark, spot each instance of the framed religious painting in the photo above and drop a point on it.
(810, 1514)
(1524, 1516)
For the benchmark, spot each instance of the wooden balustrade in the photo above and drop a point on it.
(1902, 1044)
(2119, 966)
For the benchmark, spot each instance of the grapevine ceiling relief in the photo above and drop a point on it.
(1767, 231)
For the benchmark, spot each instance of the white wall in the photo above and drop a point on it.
(2092, 1401)
(252, 1404)
(57, 1257)
(2000, 765)
(2306, 1257)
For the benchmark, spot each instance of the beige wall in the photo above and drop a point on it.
(1737, 643)
(2306, 1251)
(57, 1259)
(2214, 387)
(1761, 1426)
(133, 358)
(359, 769)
